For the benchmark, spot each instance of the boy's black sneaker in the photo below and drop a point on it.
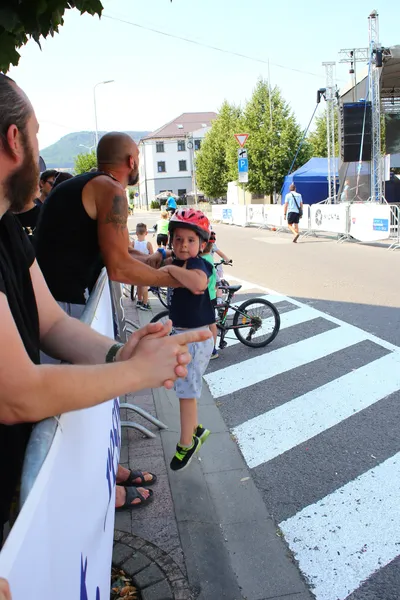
(202, 433)
(183, 455)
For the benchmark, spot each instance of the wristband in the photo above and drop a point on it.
(112, 353)
(162, 252)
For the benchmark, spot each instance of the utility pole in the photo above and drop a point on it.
(330, 97)
(375, 50)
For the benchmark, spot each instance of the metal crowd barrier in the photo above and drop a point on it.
(394, 226)
(122, 329)
(43, 433)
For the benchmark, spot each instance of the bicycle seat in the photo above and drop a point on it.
(233, 288)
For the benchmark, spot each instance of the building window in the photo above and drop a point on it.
(161, 166)
(182, 165)
(181, 193)
(197, 144)
(160, 147)
(181, 146)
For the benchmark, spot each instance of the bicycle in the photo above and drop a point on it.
(160, 292)
(247, 324)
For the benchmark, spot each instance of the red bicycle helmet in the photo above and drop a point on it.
(213, 237)
(191, 218)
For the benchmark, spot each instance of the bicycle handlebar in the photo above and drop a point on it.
(223, 262)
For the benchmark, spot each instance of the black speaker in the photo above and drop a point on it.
(351, 125)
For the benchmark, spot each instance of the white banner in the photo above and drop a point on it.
(227, 214)
(216, 212)
(329, 217)
(239, 215)
(370, 222)
(255, 214)
(61, 544)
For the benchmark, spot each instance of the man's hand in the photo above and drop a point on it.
(154, 260)
(284, 216)
(161, 358)
(126, 352)
(5, 593)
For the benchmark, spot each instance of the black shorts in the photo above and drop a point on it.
(293, 218)
(162, 239)
(171, 210)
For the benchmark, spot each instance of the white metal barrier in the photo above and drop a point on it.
(364, 222)
(394, 226)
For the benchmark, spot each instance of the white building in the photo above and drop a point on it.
(167, 156)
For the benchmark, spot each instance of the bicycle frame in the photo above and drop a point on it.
(222, 326)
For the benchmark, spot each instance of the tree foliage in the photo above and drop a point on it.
(318, 139)
(24, 19)
(84, 162)
(213, 162)
(272, 142)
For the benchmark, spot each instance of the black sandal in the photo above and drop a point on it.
(138, 475)
(131, 494)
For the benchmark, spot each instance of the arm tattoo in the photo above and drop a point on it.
(118, 213)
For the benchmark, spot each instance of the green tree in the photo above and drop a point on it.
(213, 162)
(273, 142)
(24, 19)
(318, 139)
(84, 162)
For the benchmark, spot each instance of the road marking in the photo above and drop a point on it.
(252, 371)
(344, 538)
(288, 319)
(282, 298)
(268, 435)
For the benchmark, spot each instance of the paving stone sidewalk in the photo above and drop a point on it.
(147, 544)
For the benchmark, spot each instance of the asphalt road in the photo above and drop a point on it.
(316, 414)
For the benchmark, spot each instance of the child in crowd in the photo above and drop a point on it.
(220, 271)
(190, 308)
(162, 229)
(212, 289)
(142, 245)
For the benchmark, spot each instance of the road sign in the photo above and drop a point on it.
(241, 138)
(243, 177)
(242, 153)
(243, 165)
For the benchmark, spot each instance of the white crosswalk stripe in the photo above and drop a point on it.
(343, 538)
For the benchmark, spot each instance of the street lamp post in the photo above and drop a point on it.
(95, 107)
(90, 148)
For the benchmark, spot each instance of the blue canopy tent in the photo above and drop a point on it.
(310, 181)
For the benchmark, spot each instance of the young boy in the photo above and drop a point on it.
(190, 308)
(142, 245)
(212, 289)
(162, 229)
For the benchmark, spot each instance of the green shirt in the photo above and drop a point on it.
(162, 226)
(212, 282)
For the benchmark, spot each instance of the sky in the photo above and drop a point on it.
(158, 77)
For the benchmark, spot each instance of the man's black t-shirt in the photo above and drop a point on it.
(29, 219)
(16, 257)
(188, 310)
(67, 247)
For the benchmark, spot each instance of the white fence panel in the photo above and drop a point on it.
(332, 218)
(370, 222)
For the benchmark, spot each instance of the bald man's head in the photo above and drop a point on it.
(118, 151)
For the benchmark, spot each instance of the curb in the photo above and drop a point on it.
(153, 572)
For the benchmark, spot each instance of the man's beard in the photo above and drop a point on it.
(22, 183)
(133, 177)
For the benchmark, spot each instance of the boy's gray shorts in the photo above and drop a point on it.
(190, 386)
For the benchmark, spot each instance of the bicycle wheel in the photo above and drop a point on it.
(162, 295)
(162, 316)
(256, 323)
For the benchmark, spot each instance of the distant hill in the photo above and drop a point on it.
(62, 153)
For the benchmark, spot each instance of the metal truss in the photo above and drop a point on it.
(330, 97)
